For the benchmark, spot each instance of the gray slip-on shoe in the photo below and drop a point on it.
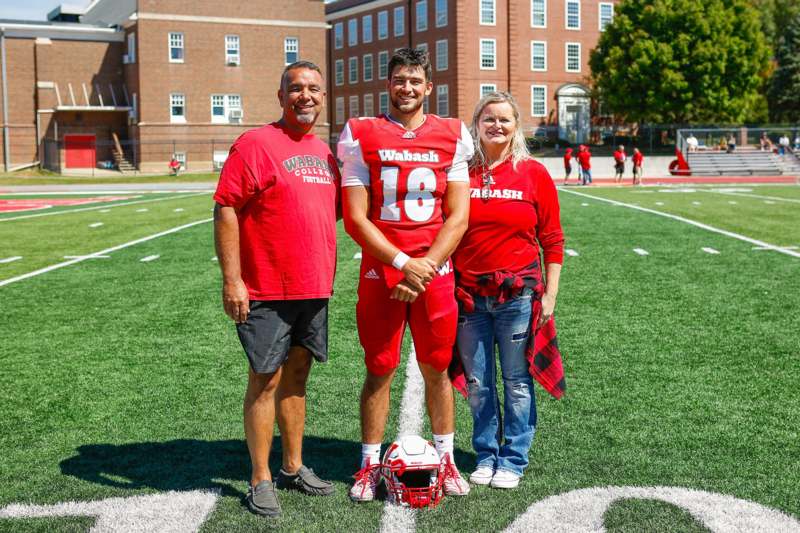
(305, 481)
(262, 499)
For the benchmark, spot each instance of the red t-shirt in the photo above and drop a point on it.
(585, 159)
(619, 156)
(638, 159)
(567, 159)
(505, 231)
(284, 188)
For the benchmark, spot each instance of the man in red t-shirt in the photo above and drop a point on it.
(619, 163)
(567, 164)
(275, 233)
(638, 161)
(585, 161)
(406, 202)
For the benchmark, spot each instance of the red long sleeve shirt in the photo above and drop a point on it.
(509, 220)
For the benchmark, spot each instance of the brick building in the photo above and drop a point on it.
(139, 80)
(536, 49)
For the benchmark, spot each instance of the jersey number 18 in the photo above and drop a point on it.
(418, 202)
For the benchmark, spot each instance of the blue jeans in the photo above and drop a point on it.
(500, 443)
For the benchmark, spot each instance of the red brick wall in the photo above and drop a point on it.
(21, 80)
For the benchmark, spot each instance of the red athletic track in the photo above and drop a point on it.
(36, 204)
(722, 180)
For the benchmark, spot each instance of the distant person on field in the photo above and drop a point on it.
(638, 160)
(797, 142)
(567, 164)
(585, 161)
(692, 142)
(764, 142)
(174, 165)
(784, 145)
(619, 163)
(275, 234)
(731, 143)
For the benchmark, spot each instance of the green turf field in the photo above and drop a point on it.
(124, 378)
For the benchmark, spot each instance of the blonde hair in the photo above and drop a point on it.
(518, 148)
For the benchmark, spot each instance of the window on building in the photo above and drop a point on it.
(180, 157)
(226, 108)
(383, 25)
(340, 109)
(538, 100)
(383, 103)
(366, 28)
(177, 107)
(131, 55)
(399, 21)
(426, 105)
(353, 70)
(606, 14)
(573, 14)
(367, 67)
(488, 10)
(338, 35)
(539, 56)
(353, 106)
(175, 47)
(422, 15)
(441, 55)
(352, 32)
(441, 13)
(423, 47)
(573, 57)
(487, 88)
(538, 13)
(383, 65)
(291, 48)
(232, 56)
(442, 100)
(488, 54)
(369, 106)
(338, 72)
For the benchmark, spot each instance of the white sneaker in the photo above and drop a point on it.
(366, 485)
(503, 479)
(454, 484)
(482, 475)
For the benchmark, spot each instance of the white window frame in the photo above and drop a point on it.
(423, 47)
(366, 36)
(481, 21)
(544, 14)
(176, 40)
(487, 88)
(422, 21)
(383, 66)
(442, 51)
(352, 107)
(352, 73)
(180, 157)
(383, 102)
(533, 101)
(338, 72)
(443, 90)
(229, 102)
(338, 35)
(441, 14)
(232, 42)
(369, 105)
(533, 67)
(494, 54)
(287, 51)
(566, 56)
(352, 32)
(383, 16)
(566, 15)
(600, 7)
(399, 25)
(177, 100)
(364, 67)
(131, 46)
(339, 113)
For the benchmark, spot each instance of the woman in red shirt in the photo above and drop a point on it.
(513, 213)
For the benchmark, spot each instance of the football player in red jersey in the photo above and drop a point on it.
(406, 202)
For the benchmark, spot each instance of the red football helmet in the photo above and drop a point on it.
(411, 471)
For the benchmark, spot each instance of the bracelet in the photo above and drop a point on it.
(400, 260)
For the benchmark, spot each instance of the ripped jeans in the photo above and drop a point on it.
(501, 441)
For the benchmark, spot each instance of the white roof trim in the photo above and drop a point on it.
(369, 6)
(57, 31)
(231, 20)
(91, 108)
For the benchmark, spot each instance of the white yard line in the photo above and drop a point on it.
(142, 210)
(358, 255)
(691, 222)
(95, 224)
(757, 196)
(784, 247)
(103, 206)
(79, 259)
(10, 259)
(641, 251)
(711, 251)
(149, 258)
(87, 257)
(396, 518)
(571, 252)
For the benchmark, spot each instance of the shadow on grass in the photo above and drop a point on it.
(199, 464)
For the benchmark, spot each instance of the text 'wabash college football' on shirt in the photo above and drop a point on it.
(284, 188)
(406, 173)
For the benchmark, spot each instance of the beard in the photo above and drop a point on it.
(306, 118)
(408, 107)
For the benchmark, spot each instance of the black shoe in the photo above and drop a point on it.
(306, 481)
(262, 499)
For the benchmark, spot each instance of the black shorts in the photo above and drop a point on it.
(274, 326)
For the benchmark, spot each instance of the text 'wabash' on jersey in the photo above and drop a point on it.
(406, 173)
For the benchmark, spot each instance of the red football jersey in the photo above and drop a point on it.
(406, 173)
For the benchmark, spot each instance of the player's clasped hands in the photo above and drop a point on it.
(419, 272)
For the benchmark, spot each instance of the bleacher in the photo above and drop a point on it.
(744, 161)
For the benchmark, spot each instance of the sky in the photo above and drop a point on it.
(32, 9)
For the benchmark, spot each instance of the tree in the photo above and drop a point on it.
(784, 91)
(682, 61)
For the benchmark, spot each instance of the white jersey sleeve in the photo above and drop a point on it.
(459, 171)
(355, 171)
